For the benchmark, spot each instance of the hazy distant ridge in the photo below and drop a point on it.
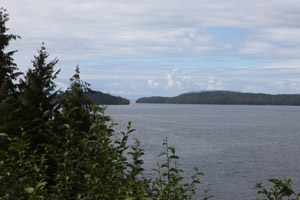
(226, 97)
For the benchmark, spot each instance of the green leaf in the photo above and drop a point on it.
(37, 120)
(174, 157)
(3, 135)
(174, 170)
(42, 184)
(155, 170)
(172, 149)
(35, 197)
(161, 154)
(46, 113)
(164, 165)
(29, 190)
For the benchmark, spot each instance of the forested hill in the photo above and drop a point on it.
(107, 99)
(226, 97)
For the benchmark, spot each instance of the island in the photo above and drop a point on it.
(225, 97)
(107, 99)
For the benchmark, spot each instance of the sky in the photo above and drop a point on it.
(135, 48)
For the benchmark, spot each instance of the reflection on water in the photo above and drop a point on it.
(235, 146)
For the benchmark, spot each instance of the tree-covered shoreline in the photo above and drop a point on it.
(226, 98)
(106, 99)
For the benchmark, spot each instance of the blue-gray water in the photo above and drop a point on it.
(235, 146)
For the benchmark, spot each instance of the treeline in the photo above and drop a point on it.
(226, 97)
(107, 99)
(101, 98)
(66, 148)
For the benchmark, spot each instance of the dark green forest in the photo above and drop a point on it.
(67, 148)
(107, 99)
(226, 98)
(101, 98)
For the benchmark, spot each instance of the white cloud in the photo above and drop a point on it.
(87, 31)
(170, 81)
(91, 29)
(295, 86)
(211, 79)
(286, 64)
(176, 79)
(152, 84)
(174, 71)
(200, 84)
(213, 83)
(283, 34)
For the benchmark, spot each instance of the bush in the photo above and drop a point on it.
(280, 190)
(98, 164)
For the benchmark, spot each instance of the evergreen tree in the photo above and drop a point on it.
(8, 74)
(37, 96)
(8, 89)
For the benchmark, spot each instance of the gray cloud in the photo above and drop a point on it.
(94, 29)
(80, 32)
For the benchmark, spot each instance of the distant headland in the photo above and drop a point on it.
(107, 99)
(226, 98)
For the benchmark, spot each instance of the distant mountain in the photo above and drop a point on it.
(226, 97)
(107, 99)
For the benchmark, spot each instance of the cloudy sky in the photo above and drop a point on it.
(164, 47)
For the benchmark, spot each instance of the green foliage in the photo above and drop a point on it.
(7, 65)
(280, 191)
(169, 183)
(75, 98)
(39, 82)
(22, 174)
(84, 165)
(8, 74)
(90, 165)
(76, 93)
(37, 94)
(139, 186)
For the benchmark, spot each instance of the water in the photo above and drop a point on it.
(235, 146)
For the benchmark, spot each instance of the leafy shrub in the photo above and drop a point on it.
(98, 164)
(281, 190)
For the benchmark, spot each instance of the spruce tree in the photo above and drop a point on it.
(38, 96)
(7, 66)
(8, 74)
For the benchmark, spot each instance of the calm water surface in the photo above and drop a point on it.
(235, 146)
